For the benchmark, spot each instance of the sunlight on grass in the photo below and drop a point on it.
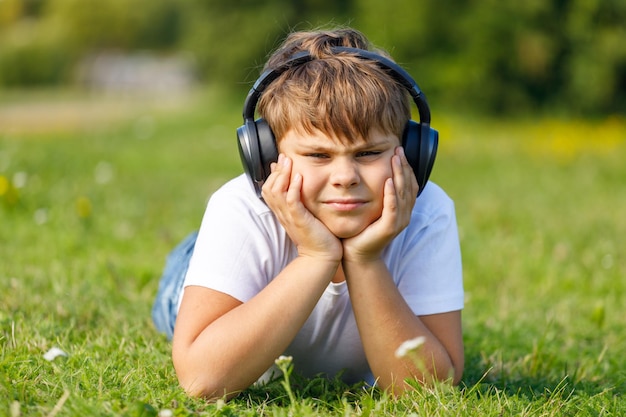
(567, 141)
(51, 113)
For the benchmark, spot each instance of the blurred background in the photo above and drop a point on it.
(492, 57)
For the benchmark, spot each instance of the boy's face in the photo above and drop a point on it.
(342, 183)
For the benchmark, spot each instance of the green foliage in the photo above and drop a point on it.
(34, 55)
(118, 24)
(99, 206)
(231, 43)
(506, 56)
(498, 57)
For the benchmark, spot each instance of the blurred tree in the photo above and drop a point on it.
(595, 56)
(504, 56)
(231, 40)
(33, 51)
(118, 24)
(500, 56)
(228, 38)
(10, 12)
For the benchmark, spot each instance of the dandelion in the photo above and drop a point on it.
(409, 347)
(4, 185)
(83, 207)
(8, 192)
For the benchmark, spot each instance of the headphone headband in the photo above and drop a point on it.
(266, 79)
(299, 58)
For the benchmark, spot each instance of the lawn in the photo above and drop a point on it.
(94, 191)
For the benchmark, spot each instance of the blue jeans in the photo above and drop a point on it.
(165, 308)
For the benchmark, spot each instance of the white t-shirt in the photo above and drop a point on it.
(241, 247)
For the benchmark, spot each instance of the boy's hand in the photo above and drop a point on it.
(399, 197)
(282, 194)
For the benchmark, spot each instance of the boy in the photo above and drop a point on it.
(338, 263)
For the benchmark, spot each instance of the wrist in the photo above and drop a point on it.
(331, 257)
(361, 260)
(364, 270)
(361, 256)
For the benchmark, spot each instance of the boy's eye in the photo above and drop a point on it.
(365, 154)
(317, 155)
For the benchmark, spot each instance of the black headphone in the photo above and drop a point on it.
(257, 144)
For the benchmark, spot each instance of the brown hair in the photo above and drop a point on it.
(341, 95)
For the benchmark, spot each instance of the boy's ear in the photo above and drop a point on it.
(420, 143)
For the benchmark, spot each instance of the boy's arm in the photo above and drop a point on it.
(385, 321)
(221, 346)
(383, 317)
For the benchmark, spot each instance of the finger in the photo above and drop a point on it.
(406, 183)
(283, 174)
(390, 197)
(294, 190)
(398, 173)
(275, 184)
(385, 226)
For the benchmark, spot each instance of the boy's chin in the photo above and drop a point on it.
(347, 233)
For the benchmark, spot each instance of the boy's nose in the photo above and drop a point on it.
(345, 173)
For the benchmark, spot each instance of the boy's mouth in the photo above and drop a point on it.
(345, 204)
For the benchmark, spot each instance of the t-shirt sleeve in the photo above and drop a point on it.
(426, 259)
(238, 244)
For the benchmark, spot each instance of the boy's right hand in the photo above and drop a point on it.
(282, 193)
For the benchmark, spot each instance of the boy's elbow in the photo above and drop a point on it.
(447, 367)
(457, 374)
(193, 381)
(445, 371)
(201, 383)
(204, 387)
(450, 372)
(458, 366)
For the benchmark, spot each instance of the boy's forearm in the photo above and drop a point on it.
(385, 321)
(233, 351)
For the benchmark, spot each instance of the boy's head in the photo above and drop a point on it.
(332, 85)
(340, 95)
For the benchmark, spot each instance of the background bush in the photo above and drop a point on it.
(502, 57)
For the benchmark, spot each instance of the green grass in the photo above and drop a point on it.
(88, 212)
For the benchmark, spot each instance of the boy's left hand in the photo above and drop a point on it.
(399, 197)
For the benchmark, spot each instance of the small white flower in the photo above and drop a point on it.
(53, 353)
(283, 361)
(103, 173)
(166, 413)
(409, 346)
(20, 179)
(41, 216)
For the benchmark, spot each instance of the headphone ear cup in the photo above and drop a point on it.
(420, 144)
(248, 144)
(267, 146)
(257, 150)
